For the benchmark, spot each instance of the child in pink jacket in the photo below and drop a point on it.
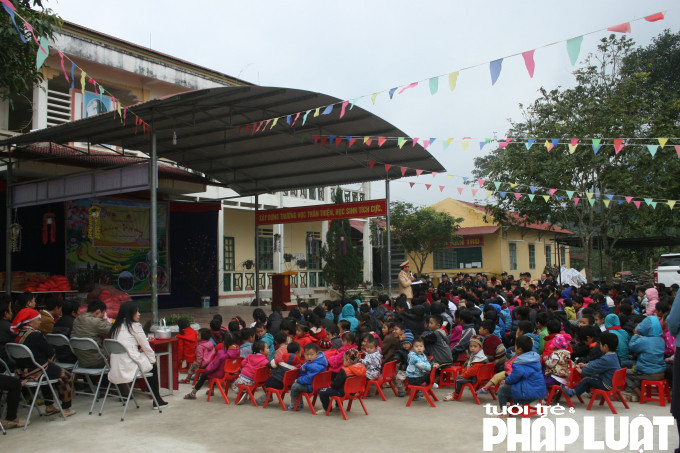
(215, 369)
(258, 359)
(205, 351)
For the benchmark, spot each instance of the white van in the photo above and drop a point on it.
(668, 269)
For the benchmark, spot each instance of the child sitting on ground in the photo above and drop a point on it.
(401, 356)
(350, 368)
(215, 369)
(418, 369)
(525, 382)
(558, 363)
(373, 358)
(471, 367)
(315, 363)
(438, 341)
(291, 360)
(204, 353)
(250, 364)
(598, 373)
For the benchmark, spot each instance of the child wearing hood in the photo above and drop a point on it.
(401, 357)
(558, 362)
(350, 367)
(525, 382)
(652, 299)
(349, 314)
(315, 363)
(613, 324)
(471, 367)
(649, 347)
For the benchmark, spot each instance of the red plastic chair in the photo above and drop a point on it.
(196, 375)
(485, 374)
(261, 375)
(658, 391)
(321, 380)
(354, 390)
(288, 379)
(232, 368)
(618, 384)
(557, 392)
(448, 375)
(426, 389)
(389, 372)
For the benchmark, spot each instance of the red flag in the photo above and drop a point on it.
(387, 167)
(629, 199)
(419, 172)
(412, 183)
(654, 17)
(481, 182)
(427, 186)
(441, 188)
(352, 142)
(434, 174)
(338, 141)
(323, 141)
(621, 28)
(403, 169)
(381, 141)
(460, 190)
(371, 163)
(316, 139)
(415, 141)
(618, 145)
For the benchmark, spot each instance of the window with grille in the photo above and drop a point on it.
(265, 248)
(458, 258)
(513, 256)
(229, 254)
(313, 249)
(532, 256)
(548, 256)
(563, 256)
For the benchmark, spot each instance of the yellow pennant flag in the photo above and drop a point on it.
(276, 120)
(589, 195)
(546, 198)
(83, 74)
(489, 192)
(448, 141)
(449, 176)
(317, 113)
(670, 203)
(513, 185)
(120, 115)
(662, 142)
(464, 144)
(373, 96)
(549, 145)
(606, 202)
(453, 78)
(367, 138)
(572, 149)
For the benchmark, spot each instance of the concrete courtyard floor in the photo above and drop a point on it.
(198, 426)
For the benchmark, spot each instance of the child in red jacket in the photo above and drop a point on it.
(302, 336)
(335, 361)
(472, 366)
(187, 339)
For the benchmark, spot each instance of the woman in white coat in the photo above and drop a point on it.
(128, 331)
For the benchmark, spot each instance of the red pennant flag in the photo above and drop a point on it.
(419, 172)
(576, 200)
(415, 141)
(352, 142)
(381, 141)
(323, 141)
(239, 129)
(629, 199)
(474, 192)
(371, 163)
(434, 174)
(441, 188)
(460, 190)
(518, 196)
(654, 17)
(552, 192)
(637, 204)
(247, 128)
(427, 186)
(618, 145)
(403, 171)
(621, 28)
(481, 182)
(387, 167)
(369, 141)
(316, 139)
(252, 129)
(412, 183)
(338, 141)
(677, 149)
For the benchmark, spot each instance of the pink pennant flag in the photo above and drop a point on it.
(324, 140)
(371, 163)
(654, 17)
(441, 188)
(481, 182)
(574, 141)
(338, 141)
(252, 129)
(618, 145)
(552, 192)
(529, 61)
(426, 143)
(677, 149)
(629, 199)
(419, 172)
(460, 190)
(411, 85)
(403, 171)
(267, 123)
(387, 167)
(621, 28)
(368, 142)
(415, 140)
(342, 108)
(427, 186)
(502, 145)
(434, 174)
(8, 4)
(518, 196)
(94, 83)
(576, 200)
(474, 192)
(352, 142)
(296, 118)
(316, 139)
(381, 141)
(637, 204)
(61, 55)
(411, 183)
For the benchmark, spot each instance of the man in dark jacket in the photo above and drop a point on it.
(91, 324)
(445, 286)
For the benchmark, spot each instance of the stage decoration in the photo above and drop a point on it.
(94, 228)
(49, 223)
(15, 230)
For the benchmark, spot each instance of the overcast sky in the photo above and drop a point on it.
(352, 48)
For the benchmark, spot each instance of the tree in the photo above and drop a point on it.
(18, 71)
(604, 103)
(421, 231)
(342, 265)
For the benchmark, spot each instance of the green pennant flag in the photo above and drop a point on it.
(574, 48)
(531, 196)
(591, 201)
(43, 53)
(497, 184)
(401, 141)
(653, 204)
(570, 194)
(302, 138)
(304, 117)
(648, 201)
(447, 142)
(434, 85)
(652, 149)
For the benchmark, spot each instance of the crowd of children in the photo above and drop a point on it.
(534, 334)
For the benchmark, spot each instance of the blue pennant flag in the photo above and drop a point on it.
(495, 69)
(327, 110)
(529, 143)
(532, 188)
(502, 194)
(392, 92)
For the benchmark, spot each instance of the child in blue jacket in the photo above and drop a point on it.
(598, 373)
(525, 383)
(649, 347)
(315, 363)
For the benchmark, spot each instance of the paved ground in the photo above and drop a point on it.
(198, 426)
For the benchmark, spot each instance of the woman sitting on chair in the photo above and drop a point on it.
(25, 325)
(128, 331)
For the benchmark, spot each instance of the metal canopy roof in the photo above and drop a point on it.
(206, 124)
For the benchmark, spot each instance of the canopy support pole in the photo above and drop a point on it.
(389, 240)
(8, 230)
(152, 234)
(257, 260)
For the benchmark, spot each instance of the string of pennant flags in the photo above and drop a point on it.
(43, 53)
(573, 46)
(550, 143)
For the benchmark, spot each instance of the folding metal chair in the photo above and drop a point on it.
(88, 344)
(57, 340)
(4, 369)
(114, 347)
(19, 351)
